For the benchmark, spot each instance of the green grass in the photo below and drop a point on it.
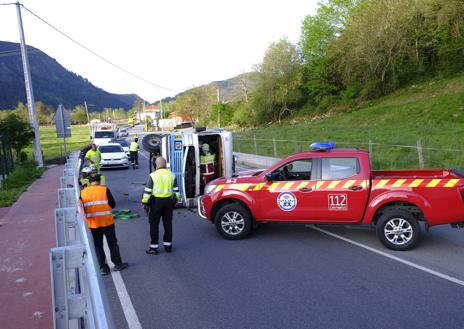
(52, 146)
(17, 182)
(432, 112)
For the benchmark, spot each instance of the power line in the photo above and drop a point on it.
(98, 55)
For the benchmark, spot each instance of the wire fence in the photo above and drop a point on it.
(6, 156)
(383, 156)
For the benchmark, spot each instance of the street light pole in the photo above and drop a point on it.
(29, 91)
(88, 117)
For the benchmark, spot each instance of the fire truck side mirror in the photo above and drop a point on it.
(269, 177)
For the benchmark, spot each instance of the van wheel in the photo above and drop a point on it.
(398, 229)
(233, 222)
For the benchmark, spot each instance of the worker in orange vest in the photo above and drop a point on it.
(98, 203)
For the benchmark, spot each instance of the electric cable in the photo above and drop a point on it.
(98, 55)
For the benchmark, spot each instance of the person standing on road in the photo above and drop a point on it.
(98, 203)
(159, 198)
(94, 156)
(134, 152)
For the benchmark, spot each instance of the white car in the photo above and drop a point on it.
(113, 155)
(123, 132)
(124, 143)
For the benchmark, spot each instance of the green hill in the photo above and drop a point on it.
(432, 112)
(52, 83)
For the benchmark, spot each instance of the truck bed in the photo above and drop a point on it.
(414, 174)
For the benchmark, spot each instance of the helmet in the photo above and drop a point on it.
(136, 139)
(205, 147)
(86, 170)
(93, 168)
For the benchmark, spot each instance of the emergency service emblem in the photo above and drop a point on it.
(286, 201)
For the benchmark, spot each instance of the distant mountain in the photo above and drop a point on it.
(229, 90)
(52, 83)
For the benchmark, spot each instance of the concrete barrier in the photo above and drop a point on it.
(256, 161)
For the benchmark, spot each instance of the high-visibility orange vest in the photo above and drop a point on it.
(96, 207)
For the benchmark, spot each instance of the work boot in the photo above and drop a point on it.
(105, 270)
(152, 251)
(120, 267)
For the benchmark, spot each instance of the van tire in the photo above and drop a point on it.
(233, 222)
(398, 229)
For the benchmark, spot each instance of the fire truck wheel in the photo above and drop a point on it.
(233, 222)
(398, 229)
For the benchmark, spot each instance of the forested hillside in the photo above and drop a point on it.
(52, 83)
(349, 52)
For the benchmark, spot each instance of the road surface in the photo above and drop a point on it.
(282, 276)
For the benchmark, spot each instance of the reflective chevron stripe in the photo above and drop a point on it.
(341, 184)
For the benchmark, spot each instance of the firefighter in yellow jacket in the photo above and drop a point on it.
(94, 156)
(159, 198)
(98, 203)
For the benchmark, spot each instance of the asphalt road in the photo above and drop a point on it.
(282, 276)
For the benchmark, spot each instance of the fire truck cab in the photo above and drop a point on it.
(182, 151)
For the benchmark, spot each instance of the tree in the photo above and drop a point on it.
(221, 115)
(44, 113)
(196, 103)
(22, 111)
(79, 115)
(18, 130)
(278, 89)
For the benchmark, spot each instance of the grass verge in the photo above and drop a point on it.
(52, 146)
(17, 182)
(432, 112)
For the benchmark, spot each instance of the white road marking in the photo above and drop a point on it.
(126, 303)
(400, 260)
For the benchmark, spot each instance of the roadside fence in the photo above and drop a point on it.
(6, 157)
(78, 295)
(383, 156)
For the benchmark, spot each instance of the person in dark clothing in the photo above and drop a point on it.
(98, 203)
(159, 198)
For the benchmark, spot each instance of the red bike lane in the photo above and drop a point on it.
(27, 233)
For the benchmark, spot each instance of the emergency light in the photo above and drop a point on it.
(322, 146)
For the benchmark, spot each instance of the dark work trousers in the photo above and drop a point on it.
(110, 233)
(161, 207)
(134, 157)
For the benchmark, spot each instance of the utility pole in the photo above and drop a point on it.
(88, 117)
(29, 91)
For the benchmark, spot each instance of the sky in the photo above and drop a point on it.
(176, 44)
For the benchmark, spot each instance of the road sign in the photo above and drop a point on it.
(63, 122)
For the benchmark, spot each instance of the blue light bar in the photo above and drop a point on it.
(322, 147)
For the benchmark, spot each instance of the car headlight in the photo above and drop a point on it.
(209, 188)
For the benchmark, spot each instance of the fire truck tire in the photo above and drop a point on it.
(233, 222)
(398, 229)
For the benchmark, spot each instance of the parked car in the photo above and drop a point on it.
(331, 186)
(124, 143)
(113, 155)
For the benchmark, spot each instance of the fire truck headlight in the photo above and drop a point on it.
(209, 188)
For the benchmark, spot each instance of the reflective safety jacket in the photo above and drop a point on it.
(94, 156)
(207, 164)
(96, 206)
(134, 147)
(161, 184)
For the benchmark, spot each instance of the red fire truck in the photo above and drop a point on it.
(336, 186)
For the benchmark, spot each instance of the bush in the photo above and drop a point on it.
(18, 181)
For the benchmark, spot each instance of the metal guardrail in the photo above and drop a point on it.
(78, 295)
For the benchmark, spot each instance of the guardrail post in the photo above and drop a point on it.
(256, 146)
(275, 147)
(68, 304)
(66, 226)
(420, 154)
(66, 198)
